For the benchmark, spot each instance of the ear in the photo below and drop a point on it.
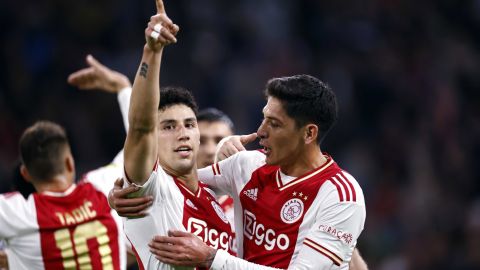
(69, 163)
(25, 174)
(311, 133)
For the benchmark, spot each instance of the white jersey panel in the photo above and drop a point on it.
(230, 176)
(166, 213)
(19, 230)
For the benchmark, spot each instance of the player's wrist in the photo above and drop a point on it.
(210, 257)
(152, 49)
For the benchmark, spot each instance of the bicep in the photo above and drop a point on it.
(140, 154)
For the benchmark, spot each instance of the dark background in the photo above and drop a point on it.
(406, 73)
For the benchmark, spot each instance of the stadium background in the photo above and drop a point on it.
(407, 76)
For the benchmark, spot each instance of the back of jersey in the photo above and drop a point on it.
(77, 230)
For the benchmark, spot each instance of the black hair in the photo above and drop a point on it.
(215, 115)
(174, 95)
(306, 99)
(41, 149)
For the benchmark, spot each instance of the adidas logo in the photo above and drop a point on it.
(251, 193)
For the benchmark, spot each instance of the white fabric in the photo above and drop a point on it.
(123, 98)
(19, 230)
(166, 213)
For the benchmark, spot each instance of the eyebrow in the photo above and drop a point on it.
(172, 121)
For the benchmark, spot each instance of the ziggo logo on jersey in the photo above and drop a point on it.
(208, 235)
(263, 236)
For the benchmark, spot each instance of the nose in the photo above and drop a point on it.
(261, 131)
(183, 134)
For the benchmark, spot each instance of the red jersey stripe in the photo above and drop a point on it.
(218, 168)
(345, 188)
(139, 261)
(354, 195)
(339, 189)
(325, 251)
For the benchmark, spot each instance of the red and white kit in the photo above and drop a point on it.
(69, 230)
(307, 222)
(176, 207)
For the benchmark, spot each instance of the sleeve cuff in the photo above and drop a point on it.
(124, 92)
(220, 259)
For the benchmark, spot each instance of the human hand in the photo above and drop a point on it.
(128, 207)
(161, 31)
(231, 145)
(3, 260)
(182, 249)
(98, 76)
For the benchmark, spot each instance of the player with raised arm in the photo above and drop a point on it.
(62, 225)
(160, 156)
(297, 208)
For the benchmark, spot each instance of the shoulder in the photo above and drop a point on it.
(341, 187)
(253, 158)
(12, 198)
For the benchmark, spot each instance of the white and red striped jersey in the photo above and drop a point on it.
(307, 222)
(69, 230)
(175, 207)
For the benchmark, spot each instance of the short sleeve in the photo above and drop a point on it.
(16, 215)
(334, 234)
(230, 175)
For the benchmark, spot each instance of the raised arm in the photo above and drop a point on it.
(141, 142)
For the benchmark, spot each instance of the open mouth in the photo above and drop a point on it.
(266, 149)
(184, 150)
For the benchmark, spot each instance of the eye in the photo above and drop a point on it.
(168, 127)
(190, 125)
(274, 124)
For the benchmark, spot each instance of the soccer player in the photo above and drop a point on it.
(214, 125)
(298, 209)
(62, 225)
(160, 156)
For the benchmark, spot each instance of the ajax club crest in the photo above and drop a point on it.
(292, 210)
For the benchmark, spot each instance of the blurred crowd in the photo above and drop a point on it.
(406, 73)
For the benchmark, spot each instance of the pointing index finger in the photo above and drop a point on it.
(160, 6)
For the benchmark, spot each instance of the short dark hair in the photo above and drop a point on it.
(215, 115)
(41, 149)
(174, 95)
(306, 99)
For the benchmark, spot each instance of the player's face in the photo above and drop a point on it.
(178, 139)
(282, 141)
(210, 135)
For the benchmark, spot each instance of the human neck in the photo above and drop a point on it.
(308, 160)
(190, 179)
(58, 183)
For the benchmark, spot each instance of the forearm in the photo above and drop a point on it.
(145, 94)
(140, 145)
